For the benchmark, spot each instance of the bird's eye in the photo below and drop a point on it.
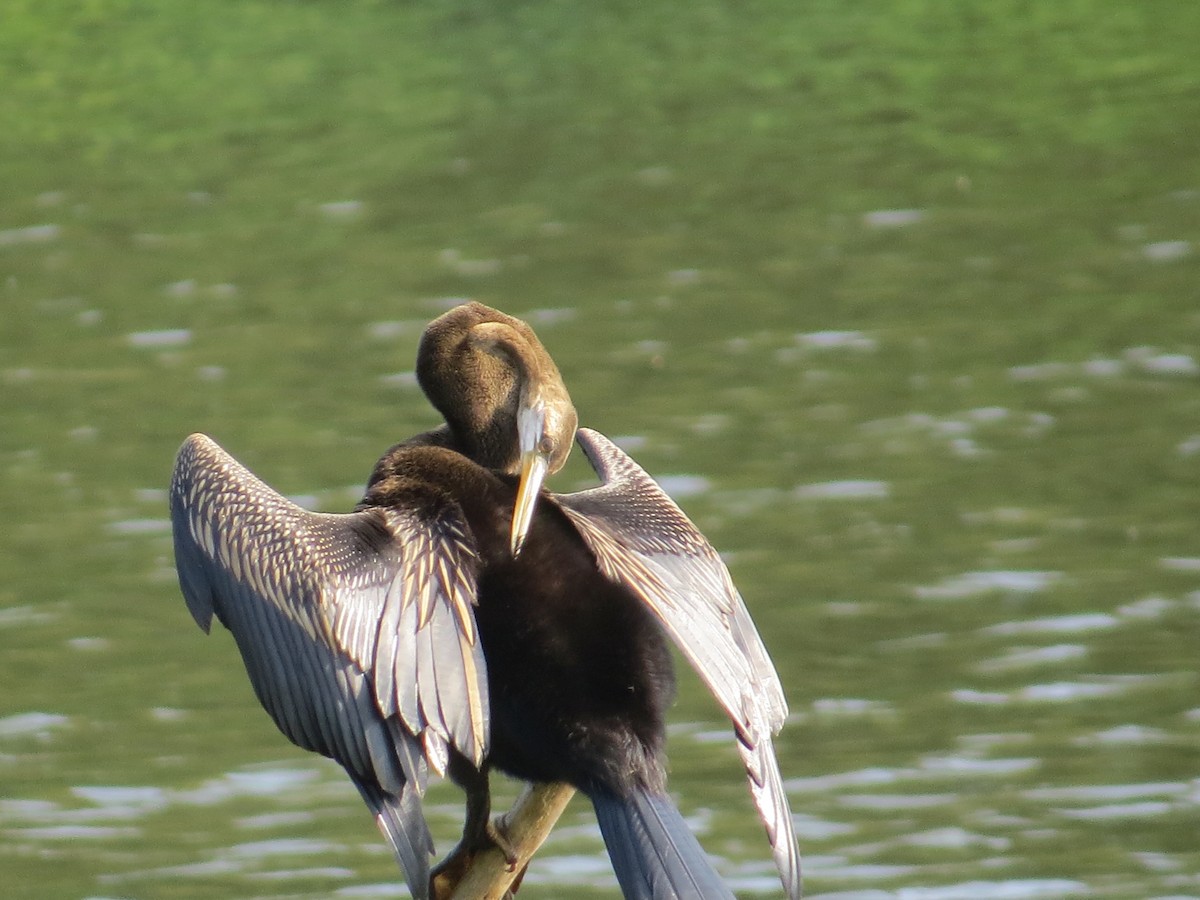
(545, 446)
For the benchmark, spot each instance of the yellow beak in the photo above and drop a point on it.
(531, 428)
(533, 473)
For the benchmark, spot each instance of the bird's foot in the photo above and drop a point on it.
(449, 872)
(497, 834)
(444, 879)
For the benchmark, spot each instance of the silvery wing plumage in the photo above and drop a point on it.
(357, 631)
(642, 539)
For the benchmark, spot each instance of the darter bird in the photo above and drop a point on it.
(461, 618)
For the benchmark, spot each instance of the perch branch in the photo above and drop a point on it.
(526, 825)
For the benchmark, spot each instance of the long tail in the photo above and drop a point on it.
(653, 852)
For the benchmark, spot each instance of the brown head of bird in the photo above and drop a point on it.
(502, 396)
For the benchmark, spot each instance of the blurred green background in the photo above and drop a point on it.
(900, 299)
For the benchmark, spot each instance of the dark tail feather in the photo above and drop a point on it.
(653, 852)
(403, 824)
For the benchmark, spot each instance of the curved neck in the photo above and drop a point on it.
(479, 367)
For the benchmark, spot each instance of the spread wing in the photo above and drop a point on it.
(643, 540)
(356, 630)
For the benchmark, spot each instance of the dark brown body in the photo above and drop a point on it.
(579, 672)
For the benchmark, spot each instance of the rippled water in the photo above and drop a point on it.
(925, 372)
(993, 688)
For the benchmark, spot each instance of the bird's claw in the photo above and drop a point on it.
(446, 875)
(497, 834)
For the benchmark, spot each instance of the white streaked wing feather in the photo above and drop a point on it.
(643, 540)
(766, 787)
(315, 599)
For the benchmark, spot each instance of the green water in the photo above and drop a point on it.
(907, 291)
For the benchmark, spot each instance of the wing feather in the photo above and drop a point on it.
(374, 585)
(643, 540)
(357, 631)
(766, 787)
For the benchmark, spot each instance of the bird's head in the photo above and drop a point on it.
(502, 396)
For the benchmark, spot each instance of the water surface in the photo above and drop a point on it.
(902, 311)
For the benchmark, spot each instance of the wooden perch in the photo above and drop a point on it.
(526, 826)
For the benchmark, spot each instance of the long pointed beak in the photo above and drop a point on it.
(533, 473)
(531, 428)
